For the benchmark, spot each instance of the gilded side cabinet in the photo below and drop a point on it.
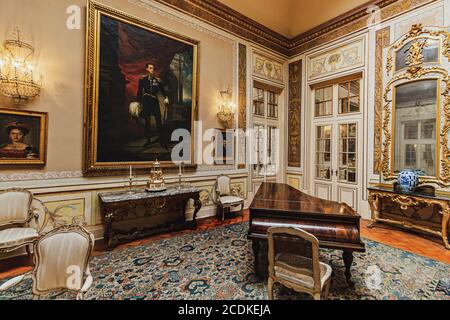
(407, 211)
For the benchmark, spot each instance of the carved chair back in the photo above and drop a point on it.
(222, 187)
(62, 259)
(287, 244)
(15, 207)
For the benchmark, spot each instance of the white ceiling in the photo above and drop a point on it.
(292, 17)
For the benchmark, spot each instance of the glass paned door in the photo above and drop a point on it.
(347, 153)
(336, 142)
(323, 152)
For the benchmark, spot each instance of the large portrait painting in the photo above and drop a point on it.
(23, 137)
(141, 86)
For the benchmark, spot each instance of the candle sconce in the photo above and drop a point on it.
(226, 109)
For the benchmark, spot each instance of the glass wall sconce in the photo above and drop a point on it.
(17, 79)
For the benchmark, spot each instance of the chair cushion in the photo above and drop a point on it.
(303, 279)
(229, 200)
(16, 236)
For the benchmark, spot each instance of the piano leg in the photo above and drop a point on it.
(348, 261)
(256, 249)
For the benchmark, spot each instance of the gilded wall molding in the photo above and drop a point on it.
(40, 176)
(225, 18)
(242, 105)
(354, 23)
(294, 114)
(418, 69)
(382, 41)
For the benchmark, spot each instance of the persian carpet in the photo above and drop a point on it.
(218, 264)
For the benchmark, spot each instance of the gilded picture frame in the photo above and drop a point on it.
(120, 50)
(23, 137)
(418, 70)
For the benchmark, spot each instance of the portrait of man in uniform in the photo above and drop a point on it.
(147, 80)
(153, 99)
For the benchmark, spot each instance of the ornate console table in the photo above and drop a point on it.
(425, 213)
(132, 215)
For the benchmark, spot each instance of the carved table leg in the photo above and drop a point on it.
(348, 261)
(445, 224)
(108, 233)
(198, 206)
(374, 202)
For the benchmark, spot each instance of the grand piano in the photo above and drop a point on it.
(337, 226)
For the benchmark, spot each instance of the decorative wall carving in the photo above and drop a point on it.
(238, 190)
(382, 41)
(294, 114)
(242, 116)
(337, 60)
(267, 68)
(418, 70)
(40, 176)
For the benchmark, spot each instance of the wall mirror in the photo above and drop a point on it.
(415, 127)
(415, 117)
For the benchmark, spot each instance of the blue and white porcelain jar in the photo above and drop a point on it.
(408, 180)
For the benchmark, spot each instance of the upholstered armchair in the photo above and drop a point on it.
(61, 259)
(223, 197)
(300, 271)
(19, 220)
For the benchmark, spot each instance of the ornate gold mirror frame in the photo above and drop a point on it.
(417, 69)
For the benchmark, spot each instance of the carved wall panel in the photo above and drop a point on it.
(242, 116)
(267, 68)
(382, 41)
(294, 114)
(337, 60)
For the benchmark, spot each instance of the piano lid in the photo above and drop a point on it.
(284, 198)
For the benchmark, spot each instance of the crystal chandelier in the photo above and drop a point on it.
(16, 70)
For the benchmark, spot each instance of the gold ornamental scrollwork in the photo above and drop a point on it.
(375, 198)
(405, 202)
(417, 69)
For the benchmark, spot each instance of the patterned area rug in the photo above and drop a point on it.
(218, 264)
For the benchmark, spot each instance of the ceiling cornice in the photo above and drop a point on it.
(223, 17)
(228, 19)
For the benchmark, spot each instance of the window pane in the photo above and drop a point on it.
(324, 101)
(428, 129)
(411, 130)
(258, 102)
(323, 152)
(347, 156)
(349, 99)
